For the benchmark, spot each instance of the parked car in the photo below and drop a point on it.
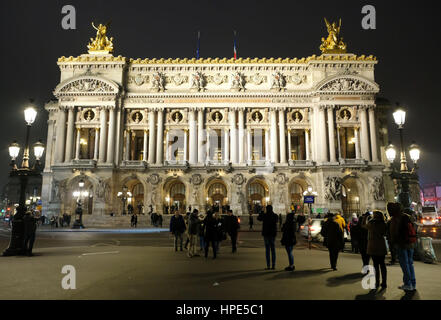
(429, 217)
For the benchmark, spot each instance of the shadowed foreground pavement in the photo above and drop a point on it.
(120, 269)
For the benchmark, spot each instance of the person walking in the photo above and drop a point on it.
(211, 233)
(231, 227)
(30, 227)
(269, 232)
(251, 221)
(177, 228)
(392, 249)
(160, 220)
(355, 233)
(193, 223)
(333, 239)
(363, 239)
(201, 232)
(300, 221)
(376, 247)
(289, 239)
(403, 237)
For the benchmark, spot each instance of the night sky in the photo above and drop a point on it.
(406, 42)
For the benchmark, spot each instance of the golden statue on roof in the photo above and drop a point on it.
(334, 43)
(101, 44)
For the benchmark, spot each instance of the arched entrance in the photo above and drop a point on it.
(296, 196)
(135, 197)
(217, 193)
(350, 200)
(258, 195)
(79, 191)
(175, 198)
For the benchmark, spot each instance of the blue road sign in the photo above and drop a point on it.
(309, 199)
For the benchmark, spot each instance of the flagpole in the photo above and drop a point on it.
(198, 45)
(235, 45)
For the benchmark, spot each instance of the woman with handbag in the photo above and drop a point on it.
(289, 239)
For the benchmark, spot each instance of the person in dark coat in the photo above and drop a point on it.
(334, 239)
(355, 233)
(231, 227)
(392, 249)
(289, 239)
(363, 240)
(269, 232)
(30, 227)
(251, 221)
(300, 220)
(211, 233)
(193, 226)
(177, 228)
(377, 246)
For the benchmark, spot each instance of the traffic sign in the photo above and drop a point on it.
(309, 199)
(39, 203)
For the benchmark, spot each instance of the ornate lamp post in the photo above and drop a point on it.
(79, 194)
(124, 196)
(23, 173)
(403, 175)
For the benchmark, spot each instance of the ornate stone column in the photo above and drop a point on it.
(61, 135)
(97, 139)
(274, 155)
(307, 151)
(250, 146)
(241, 136)
(49, 144)
(373, 131)
(185, 145)
(193, 136)
(167, 147)
(357, 144)
(331, 134)
(145, 146)
(233, 131)
(127, 153)
(111, 143)
(339, 143)
(160, 138)
(152, 140)
(119, 132)
(322, 131)
(70, 134)
(282, 136)
(226, 146)
(208, 145)
(200, 135)
(364, 134)
(103, 135)
(289, 146)
(267, 147)
(77, 145)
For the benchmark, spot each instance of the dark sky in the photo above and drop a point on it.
(406, 42)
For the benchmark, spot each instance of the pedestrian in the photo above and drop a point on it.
(177, 228)
(221, 233)
(61, 221)
(130, 209)
(160, 220)
(363, 240)
(333, 239)
(187, 236)
(30, 227)
(135, 220)
(392, 249)
(132, 221)
(231, 227)
(289, 239)
(300, 220)
(280, 221)
(269, 232)
(211, 233)
(201, 232)
(355, 233)
(341, 221)
(403, 237)
(251, 221)
(193, 223)
(376, 247)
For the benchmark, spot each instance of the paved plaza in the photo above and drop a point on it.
(143, 265)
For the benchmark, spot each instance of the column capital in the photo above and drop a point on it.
(63, 108)
(97, 129)
(240, 109)
(362, 108)
(307, 130)
(372, 107)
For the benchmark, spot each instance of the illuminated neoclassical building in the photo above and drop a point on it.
(189, 132)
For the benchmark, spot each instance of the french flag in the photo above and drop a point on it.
(235, 46)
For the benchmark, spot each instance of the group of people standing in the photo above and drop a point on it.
(371, 235)
(209, 229)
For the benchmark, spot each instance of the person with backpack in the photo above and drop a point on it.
(376, 247)
(269, 232)
(211, 234)
(403, 236)
(231, 227)
(289, 239)
(333, 239)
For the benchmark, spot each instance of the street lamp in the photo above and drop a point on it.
(403, 175)
(23, 173)
(79, 194)
(124, 196)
